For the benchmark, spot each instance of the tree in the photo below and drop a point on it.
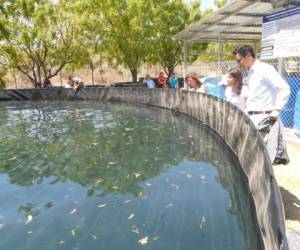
(170, 17)
(126, 30)
(39, 38)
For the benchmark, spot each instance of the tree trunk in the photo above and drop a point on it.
(15, 78)
(92, 68)
(134, 74)
(60, 76)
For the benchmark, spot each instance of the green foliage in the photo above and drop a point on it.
(3, 71)
(125, 36)
(220, 3)
(39, 38)
(170, 17)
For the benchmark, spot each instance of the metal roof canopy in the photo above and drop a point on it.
(238, 20)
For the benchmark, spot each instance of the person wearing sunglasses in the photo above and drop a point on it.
(268, 92)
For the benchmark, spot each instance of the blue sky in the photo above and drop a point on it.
(205, 4)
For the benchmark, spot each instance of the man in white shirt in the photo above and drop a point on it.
(268, 92)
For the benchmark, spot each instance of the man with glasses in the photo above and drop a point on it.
(268, 92)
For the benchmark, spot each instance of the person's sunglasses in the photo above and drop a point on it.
(240, 60)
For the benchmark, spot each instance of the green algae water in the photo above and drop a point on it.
(90, 175)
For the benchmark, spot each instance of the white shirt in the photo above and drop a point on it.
(267, 90)
(238, 100)
(150, 83)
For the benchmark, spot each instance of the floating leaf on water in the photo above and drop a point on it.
(73, 232)
(94, 236)
(2, 225)
(148, 184)
(137, 175)
(140, 194)
(102, 205)
(112, 163)
(115, 187)
(189, 176)
(156, 238)
(143, 241)
(127, 201)
(99, 181)
(61, 242)
(29, 219)
(73, 211)
(174, 186)
(169, 205)
(130, 216)
(29, 232)
(95, 143)
(201, 225)
(13, 158)
(129, 129)
(135, 230)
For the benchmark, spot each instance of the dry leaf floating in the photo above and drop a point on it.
(73, 211)
(143, 241)
(130, 216)
(29, 219)
(102, 205)
(135, 230)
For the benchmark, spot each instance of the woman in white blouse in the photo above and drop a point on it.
(236, 92)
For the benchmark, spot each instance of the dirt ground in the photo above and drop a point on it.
(288, 178)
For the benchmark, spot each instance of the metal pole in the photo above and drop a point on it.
(280, 66)
(185, 54)
(220, 52)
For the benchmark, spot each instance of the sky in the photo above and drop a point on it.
(205, 4)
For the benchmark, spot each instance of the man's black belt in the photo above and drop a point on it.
(259, 112)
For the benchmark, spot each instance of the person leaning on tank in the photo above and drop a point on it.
(75, 83)
(236, 93)
(162, 80)
(150, 84)
(194, 84)
(268, 92)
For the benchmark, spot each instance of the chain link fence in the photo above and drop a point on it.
(289, 68)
